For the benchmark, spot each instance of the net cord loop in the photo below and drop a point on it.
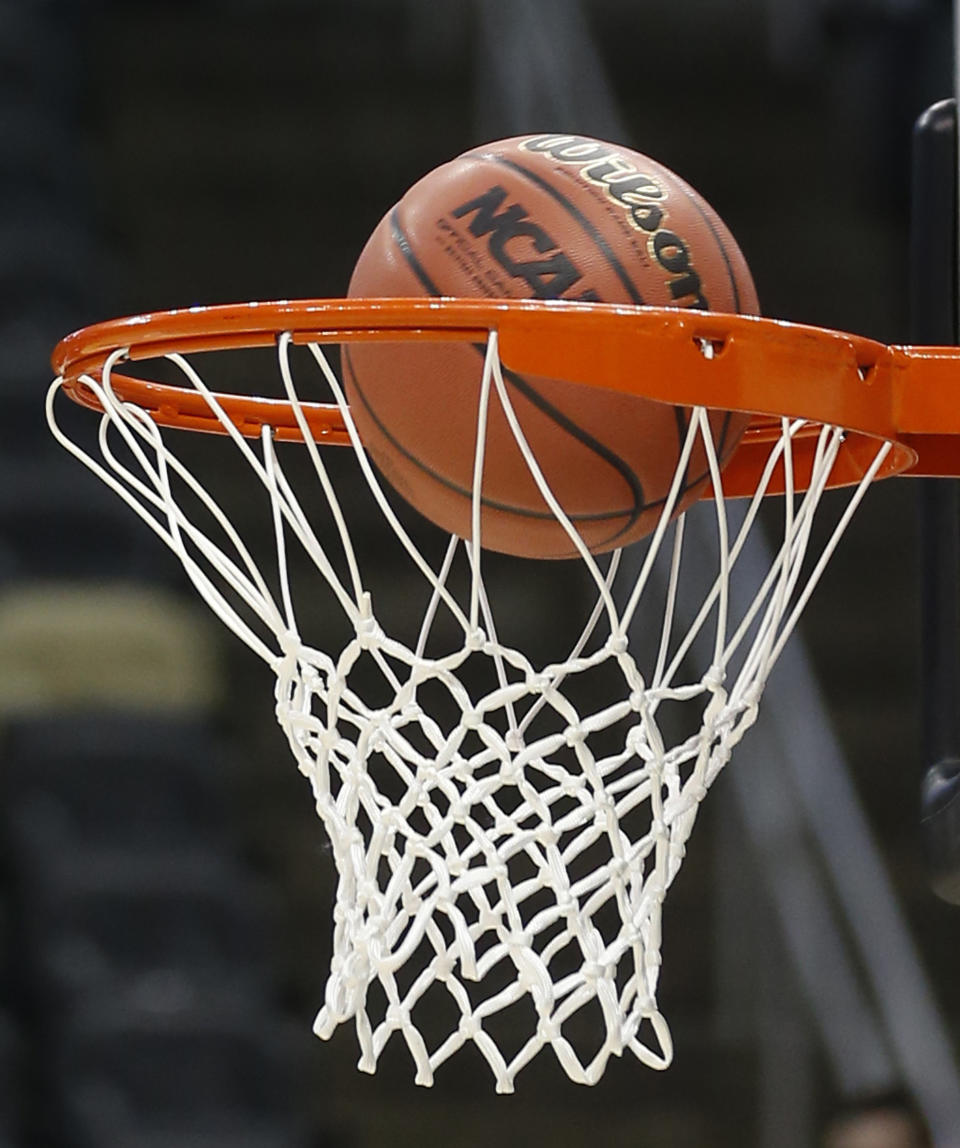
(478, 593)
(435, 596)
(723, 543)
(284, 343)
(786, 567)
(670, 605)
(256, 595)
(666, 514)
(854, 501)
(548, 496)
(118, 416)
(377, 491)
(580, 645)
(288, 506)
(271, 467)
(695, 627)
(476, 496)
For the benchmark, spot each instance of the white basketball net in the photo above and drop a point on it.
(502, 855)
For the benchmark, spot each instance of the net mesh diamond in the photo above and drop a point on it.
(504, 828)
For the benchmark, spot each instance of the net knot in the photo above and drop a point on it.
(548, 1030)
(519, 941)
(369, 950)
(636, 742)
(290, 645)
(354, 974)
(617, 644)
(412, 903)
(377, 738)
(655, 890)
(428, 775)
(511, 772)
(397, 1016)
(565, 900)
(369, 634)
(469, 1027)
(391, 820)
(714, 677)
(443, 965)
(571, 786)
(367, 892)
(328, 738)
(606, 814)
(488, 920)
(351, 843)
(594, 971)
(513, 741)
(366, 626)
(471, 719)
(353, 775)
(476, 639)
(573, 735)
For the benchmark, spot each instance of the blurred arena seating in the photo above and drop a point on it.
(141, 1002)
(139, 941)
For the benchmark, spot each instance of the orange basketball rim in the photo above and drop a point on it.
(773, 369)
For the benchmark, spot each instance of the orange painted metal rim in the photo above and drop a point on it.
(908, 396)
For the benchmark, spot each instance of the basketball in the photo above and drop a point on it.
(541, 217)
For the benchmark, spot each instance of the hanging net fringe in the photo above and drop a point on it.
(503, 855)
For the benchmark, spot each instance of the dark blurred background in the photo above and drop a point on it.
(164, 925)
